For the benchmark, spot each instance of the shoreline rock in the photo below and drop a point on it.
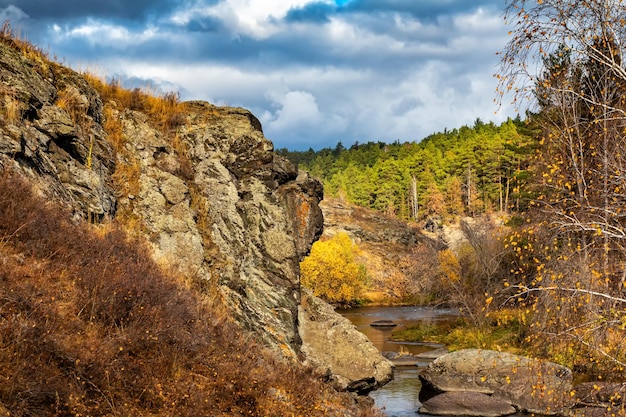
(329, 343)
(466, 404)
(530, 385)
(383, 324)
(408, 359)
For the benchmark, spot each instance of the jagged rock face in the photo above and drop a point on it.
(241, 219)
(236, 216)
(63, 147)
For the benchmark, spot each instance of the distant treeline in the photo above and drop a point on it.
(465, 171)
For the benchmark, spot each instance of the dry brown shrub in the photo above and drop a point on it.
(89, 325)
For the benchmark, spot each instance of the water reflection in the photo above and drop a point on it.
(404, 316)
(399, 398)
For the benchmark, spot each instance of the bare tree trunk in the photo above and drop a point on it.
(414, 201)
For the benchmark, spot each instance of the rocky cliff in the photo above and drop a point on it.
(204, 187)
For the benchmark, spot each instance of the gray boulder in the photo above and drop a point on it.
(330, 342)
(600, 399)
(530, 385)
(597, 412)
(466, 404)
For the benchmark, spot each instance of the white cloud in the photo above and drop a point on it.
(253, 18)
(353, 76)
(479, 21)
(102, 33)
(297, 109)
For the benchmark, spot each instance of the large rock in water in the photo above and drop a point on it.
(466, 404)
(529, 385)
(330, 342)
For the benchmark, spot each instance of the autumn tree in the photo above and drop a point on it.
(567, 58)
(454, 195)
(332, 272)
(435, 201)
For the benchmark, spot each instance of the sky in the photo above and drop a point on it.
(315, 72)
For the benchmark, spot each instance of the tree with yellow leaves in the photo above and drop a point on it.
(568, 58)
(332, 272)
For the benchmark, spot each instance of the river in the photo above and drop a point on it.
(399, 398)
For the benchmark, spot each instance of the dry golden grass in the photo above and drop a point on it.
(165, 111)
(69, 100)
(10, 108)
(13, 38)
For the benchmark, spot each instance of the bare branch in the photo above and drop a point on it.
(526, 291)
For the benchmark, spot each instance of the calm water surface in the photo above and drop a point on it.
(399, 398)
(404, 317)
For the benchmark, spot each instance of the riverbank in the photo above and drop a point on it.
(401, 397)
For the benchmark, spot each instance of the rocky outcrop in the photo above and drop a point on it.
(239, 219)
(466, 404)
(329, 342)
(366, 225)
(51, 132)
(209, 194)
(529, 385)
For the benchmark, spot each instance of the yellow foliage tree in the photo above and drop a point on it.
(450, 267)
(332, 272)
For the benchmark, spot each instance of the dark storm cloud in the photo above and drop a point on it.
(314, 72)
(72, 9)
(313, 12)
